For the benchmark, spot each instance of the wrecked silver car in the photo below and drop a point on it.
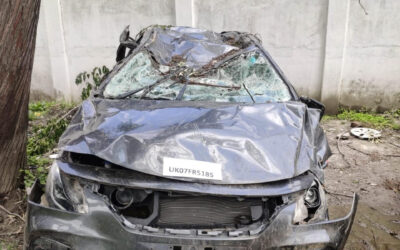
(195, 140)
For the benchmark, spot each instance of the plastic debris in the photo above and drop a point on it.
(366, 133)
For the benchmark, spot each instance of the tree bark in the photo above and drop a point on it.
(18, 23)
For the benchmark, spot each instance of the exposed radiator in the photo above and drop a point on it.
(203, 211)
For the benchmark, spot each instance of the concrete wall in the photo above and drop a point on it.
(75, 36)
(371, 70)
(336, 51)
(296, 41)
(42, 83)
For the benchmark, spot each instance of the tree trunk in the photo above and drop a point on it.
(18, 23)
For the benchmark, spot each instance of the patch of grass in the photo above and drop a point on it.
(7, 246)
(38, 109)
(40, 106)
(328, 117)
(43, 137)
(30, 175)
(375, 120)
(370, 119)
(91, 81)
(396, 126)
(396, 113)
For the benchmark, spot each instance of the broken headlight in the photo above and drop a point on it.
(311, 198)
(64, 192)
(311, 206)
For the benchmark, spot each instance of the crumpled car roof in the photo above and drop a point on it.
(196, 47)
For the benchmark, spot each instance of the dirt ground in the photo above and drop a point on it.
(370, 168)
(12, 225)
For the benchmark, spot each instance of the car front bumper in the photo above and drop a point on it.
(100, 229)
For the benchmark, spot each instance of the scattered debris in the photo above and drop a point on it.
(355, 124)
(11, 213)
(392, 185)
(366, 133)
(343, 136)
(54, 156)
(333, 193)
(19, 231)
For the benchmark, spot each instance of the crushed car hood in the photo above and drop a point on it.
(253, 143)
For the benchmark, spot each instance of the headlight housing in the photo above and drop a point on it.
(64, 192)
(311, 206)
(312, 198)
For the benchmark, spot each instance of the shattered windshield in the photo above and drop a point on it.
(248, 77)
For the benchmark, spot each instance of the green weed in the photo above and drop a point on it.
(7, 246)
(328, 117)
(91, 81)
(373, 120)
(38, 109)
(42, 139)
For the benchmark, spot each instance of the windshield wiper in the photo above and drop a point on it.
(180, 94)
(176, 74)
(213, 85)
(248, 92)
(222, 60)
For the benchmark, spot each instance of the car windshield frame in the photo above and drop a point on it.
(141, 48)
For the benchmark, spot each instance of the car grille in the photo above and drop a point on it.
(204, 211)
(189, 211)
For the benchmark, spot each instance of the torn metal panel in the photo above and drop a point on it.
(137, 180)
(194, 47)
(101, 229)
(253, 143)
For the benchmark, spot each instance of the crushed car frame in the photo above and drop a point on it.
(195, 140)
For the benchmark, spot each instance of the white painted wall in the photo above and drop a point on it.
(42, 83)
(329, 49)
(371, 70)
(88, 32)
(295, 36)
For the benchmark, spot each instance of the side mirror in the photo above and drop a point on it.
(125, 42)
(314, 104)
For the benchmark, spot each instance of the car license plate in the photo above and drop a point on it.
(192, 169)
